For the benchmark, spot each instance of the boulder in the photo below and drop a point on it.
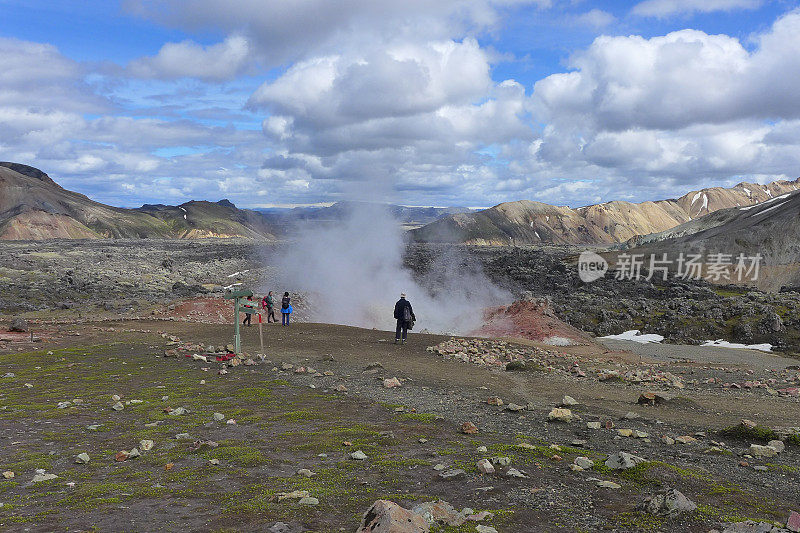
(19, 324)
(568, 401)
(485, 467)
(82, 458)
(623, 461)
(669, 502)
(385, 516)
(560, 415)
(756, 450)
(391, 383)
(777, 445)
(439, 513)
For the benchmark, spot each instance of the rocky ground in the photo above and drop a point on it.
(270, 443)
(122, 358)
(684, 312)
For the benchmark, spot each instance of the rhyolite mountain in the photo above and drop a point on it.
(527, 222)
(770, 229)
(34, 207)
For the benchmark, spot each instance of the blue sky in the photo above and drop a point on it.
(446, 102)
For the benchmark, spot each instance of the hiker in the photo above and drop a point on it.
(405, 318)
(248, 316)
(286, 309)
(269, 305)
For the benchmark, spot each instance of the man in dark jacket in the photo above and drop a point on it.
(404, 315)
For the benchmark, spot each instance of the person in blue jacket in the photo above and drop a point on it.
(286, 309)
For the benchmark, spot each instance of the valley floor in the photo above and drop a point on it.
(204, 474)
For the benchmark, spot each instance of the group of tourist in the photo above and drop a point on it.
(268, 305)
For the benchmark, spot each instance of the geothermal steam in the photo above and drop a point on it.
(354, 272)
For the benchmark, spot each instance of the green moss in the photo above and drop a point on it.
(743, 432)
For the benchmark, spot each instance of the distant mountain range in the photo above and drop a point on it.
(34, 207)
(527, 222)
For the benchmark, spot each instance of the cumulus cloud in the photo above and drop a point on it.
(187, 59)
(666, 8)
(683, 78)
(291, 31)
(595, 18)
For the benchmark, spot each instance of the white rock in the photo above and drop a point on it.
(568, 401)
(38, 478)
(82, 458)
(757, 450)
(146, 445)
(358, 455)
(584, 462)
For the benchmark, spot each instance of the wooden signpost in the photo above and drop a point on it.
(242, 304)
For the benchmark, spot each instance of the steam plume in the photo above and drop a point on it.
(354, 271)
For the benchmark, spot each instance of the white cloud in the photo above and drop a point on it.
(686, 77)
(290, 31)
(187, 59)
(595, 18)
(665, 8)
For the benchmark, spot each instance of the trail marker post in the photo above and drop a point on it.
(238, 305)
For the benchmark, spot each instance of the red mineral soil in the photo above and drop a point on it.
(206, 309)
(531, 320)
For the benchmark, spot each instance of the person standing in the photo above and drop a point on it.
(404, 314)
(247, 316)
(286, 309)
(269, 306)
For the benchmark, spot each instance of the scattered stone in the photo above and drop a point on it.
(439, 513)
(669, 502)
(608, 485)
(452, 473)
(64, 405)
(391, 383)
(308, 500)
(756, 450)
(169, 466)
(494, 400)
(502, 461)
(625, 432)
(623, 461)
(685, 439)
(439, 467)
(358, 455)
(146, 445)
(340, 388)
(482, 449)
(121, 456)
(485, 467)
(93, 427)
(568, 401)
(469, 428)
(39, 477)
(305, 472)
(652, 398)
(8, 474)
(513, 472)
(118, 406)
(560, 415)
(178, 412)
(115, 398)
(514, 408)
(630, 415)
(584, 462)
(793, 523)
(422, 440)
(385, 516)
(667, 440)
(214, 462)
(480, 528)
(777, 445)
(183, 436)
(82, 458)
(593, 425)
(133, 453)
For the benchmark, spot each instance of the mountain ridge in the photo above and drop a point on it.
(616, 221)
